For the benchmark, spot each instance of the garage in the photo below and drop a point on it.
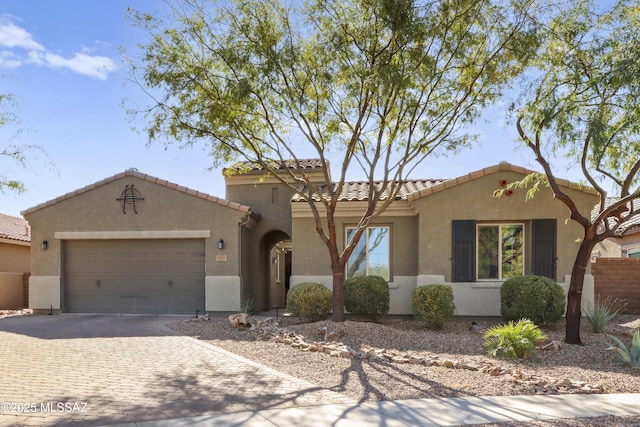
(143, 276)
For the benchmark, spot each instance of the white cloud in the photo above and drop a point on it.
(12, 36)
(9, 59)
(93, 66)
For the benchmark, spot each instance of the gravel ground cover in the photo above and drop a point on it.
(380, 378)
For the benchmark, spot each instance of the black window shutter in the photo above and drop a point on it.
(463, 252)
(543, 245)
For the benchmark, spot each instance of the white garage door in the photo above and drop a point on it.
(134, 276)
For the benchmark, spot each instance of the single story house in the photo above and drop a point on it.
(133, 243)
(15, 247)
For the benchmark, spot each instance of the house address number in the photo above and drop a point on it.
(221, 258)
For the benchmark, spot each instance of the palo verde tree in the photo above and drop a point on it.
(10, 153)
(586, 106)
(375, 85)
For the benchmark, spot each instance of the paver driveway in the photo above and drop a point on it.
(100, 370)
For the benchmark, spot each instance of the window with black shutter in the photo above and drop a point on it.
(543, 245)
(463, 251)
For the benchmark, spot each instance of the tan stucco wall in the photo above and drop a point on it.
(613, 248)
(314, 259)
(11, 291)
(474, 200)
(97, 210)
(422, 244)
(272, 200)
(14, 258)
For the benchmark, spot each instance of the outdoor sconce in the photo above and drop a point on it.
(44, 245)
(220, 244)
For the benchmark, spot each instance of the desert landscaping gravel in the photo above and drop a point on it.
(377, 378)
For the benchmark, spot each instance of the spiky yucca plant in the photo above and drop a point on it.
(628, 356)
(601, 313)
(515, 340)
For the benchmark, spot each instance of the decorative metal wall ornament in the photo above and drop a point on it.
(129, 197)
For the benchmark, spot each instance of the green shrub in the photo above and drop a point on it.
(309, 301)
(366, 296)
(629, 356)
(515, 340)
(536, 298)
(601, 313)
(433, 304)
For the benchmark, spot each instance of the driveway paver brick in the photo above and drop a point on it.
(100, 370)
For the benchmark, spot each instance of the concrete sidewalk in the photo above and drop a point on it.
(424, 412)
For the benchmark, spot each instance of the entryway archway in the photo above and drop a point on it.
(275, 251)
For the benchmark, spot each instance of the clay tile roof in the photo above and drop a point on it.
(248, 167)
(134, 172)
(359, 190)
(14, 228)
(632, 225)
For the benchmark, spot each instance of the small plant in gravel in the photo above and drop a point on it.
(630, 356)
(309, 301)
(366, 296)
(433, 304)
(602, 312)
(513, 340)
(537, 298)
(247, 307)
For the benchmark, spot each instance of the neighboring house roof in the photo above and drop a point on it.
(415, 189)
(135, 173)
(632, 225)
(14, 229)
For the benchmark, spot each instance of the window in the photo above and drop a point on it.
(500, 251)
(633, 252)
(503, 246)
(370, 257)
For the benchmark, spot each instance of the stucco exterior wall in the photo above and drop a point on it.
(97, 212)
(617, 248)
(15, 258)
(473, 200)
(272, 201)
(314, 259)
(421, 248)
(11, 291)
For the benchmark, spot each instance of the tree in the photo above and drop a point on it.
(378, 85)
(13, 152)
(586, 106)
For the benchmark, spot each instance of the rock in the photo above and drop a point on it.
(550, 345)
(475, 328)
(238, 320)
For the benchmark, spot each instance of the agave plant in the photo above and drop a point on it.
(602, 312)
(629, 356)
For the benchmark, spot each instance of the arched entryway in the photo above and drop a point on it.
(275, 254)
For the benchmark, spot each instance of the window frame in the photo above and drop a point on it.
(365, 236)
(500, 249)
(633, 249)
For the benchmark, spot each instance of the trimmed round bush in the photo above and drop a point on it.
(309, 301)
(366, 296)
(537, 298)
(433, 304)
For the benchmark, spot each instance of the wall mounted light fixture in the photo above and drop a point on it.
(44, 245)
(220, 244)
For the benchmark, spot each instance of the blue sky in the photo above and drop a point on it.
(61, 60)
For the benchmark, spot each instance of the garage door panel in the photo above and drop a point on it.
(134, 276)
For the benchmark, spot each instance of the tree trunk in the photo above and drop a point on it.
(338, 293)
(574, 296)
